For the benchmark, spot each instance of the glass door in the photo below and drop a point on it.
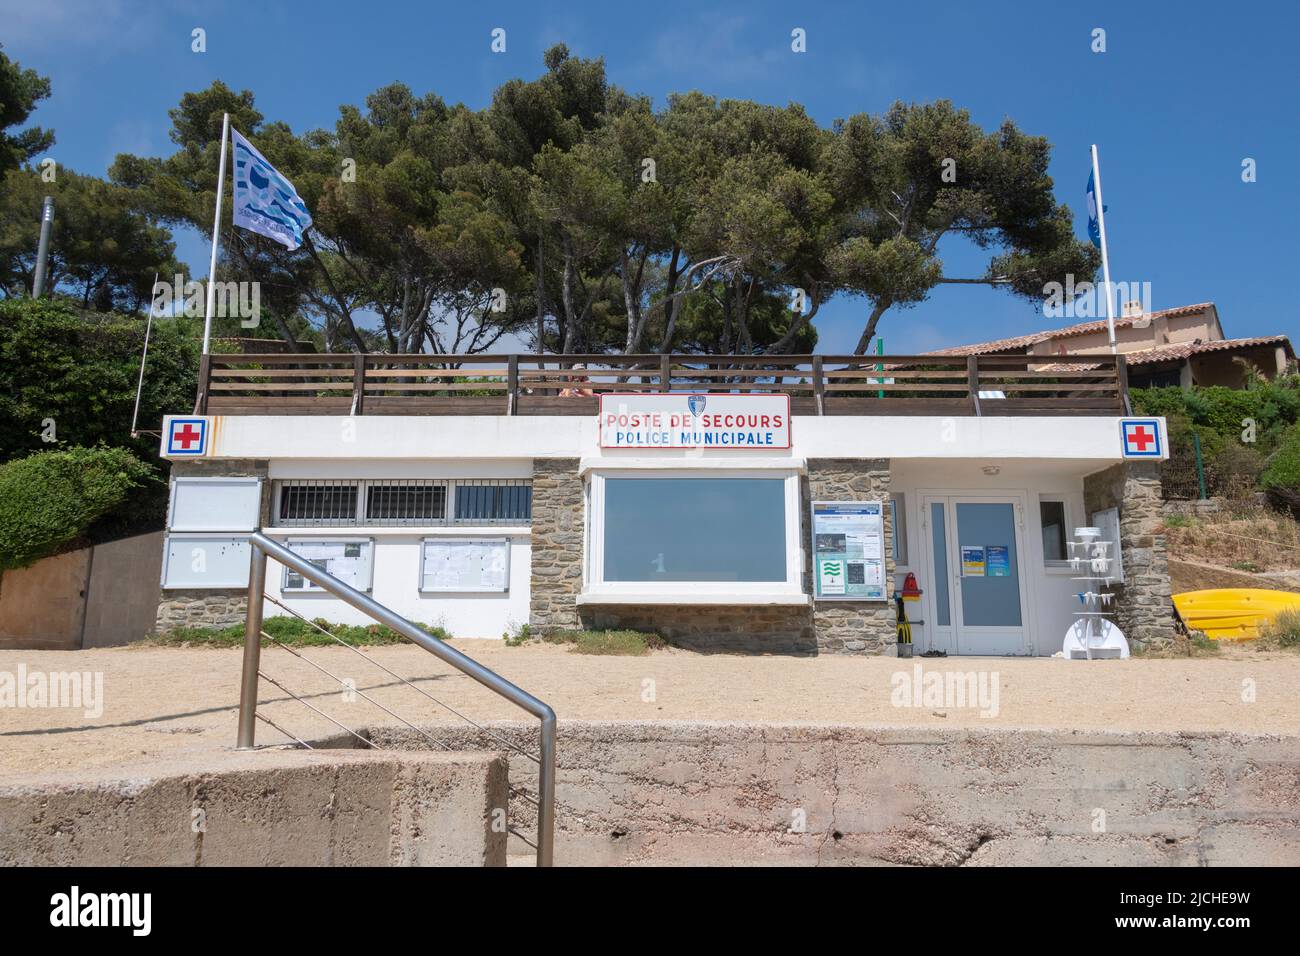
(978, 604)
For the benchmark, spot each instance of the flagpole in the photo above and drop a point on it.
(1105, 259)
(139, 385)
(216, 232)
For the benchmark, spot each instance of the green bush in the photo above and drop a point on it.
(51, 499)
(1218, 416)
(1282, 631)
(294, 632)
(78, 371)
(1283, 470)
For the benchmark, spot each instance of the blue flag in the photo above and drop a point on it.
(266, 202)
(1094, 223)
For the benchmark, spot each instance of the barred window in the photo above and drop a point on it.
(491, 502)
(407, 503)
(396, 503)
(317, 503)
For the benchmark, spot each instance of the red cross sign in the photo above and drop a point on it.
(1141, 437)
(187, 436)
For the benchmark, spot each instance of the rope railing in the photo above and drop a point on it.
(261, 547)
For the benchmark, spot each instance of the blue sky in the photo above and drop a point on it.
(1183, 93)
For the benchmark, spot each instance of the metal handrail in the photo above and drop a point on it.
(261, 547)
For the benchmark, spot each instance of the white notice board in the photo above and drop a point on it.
(215, 504)
(351, 560)
(205, 561)
(465, 564)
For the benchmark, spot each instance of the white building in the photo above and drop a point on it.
(742, 508)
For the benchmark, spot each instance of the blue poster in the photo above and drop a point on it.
(998, 558)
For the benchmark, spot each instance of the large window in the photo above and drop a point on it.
(691, 532)
(401, 502)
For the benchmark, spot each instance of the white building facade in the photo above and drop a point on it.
(721, 521)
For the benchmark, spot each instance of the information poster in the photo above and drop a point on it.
(998, 561)
(465, 564)
(972, 561)
(349, 561)
(848, 550)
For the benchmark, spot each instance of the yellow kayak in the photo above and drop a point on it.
(1233, 614)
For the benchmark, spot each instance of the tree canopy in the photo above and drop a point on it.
(572, 216)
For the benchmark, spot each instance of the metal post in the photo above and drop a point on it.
(216, 234)
(1200, 465)
(546, 792)
(43, 247)
(252, 647)
(262, 546)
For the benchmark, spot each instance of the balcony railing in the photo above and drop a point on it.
(380, 384)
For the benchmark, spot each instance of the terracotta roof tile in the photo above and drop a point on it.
(1183, 350)
(1021, 342)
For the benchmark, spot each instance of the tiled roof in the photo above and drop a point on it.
(1022, 342)
(1184, 350)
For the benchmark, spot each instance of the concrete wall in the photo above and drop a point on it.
(94, 597)
(43, 607)
(267, 808)
(726, 793)
(122, 601)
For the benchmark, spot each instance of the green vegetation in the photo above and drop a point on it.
(548, 195)
(291, 631)
(517, 635)
(1283, 469)
(51, 499)
(70, 377)
(1245, 435)
(20, 91)
(1281, 633)
(621, 643)
(67, 384)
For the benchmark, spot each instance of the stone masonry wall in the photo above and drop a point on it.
(837, 627)
(558, 514)
(212, 607)
(852, 627)
(1144, 610)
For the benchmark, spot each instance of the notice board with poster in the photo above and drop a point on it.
(465, 564)
(848, 540)
(350, 560)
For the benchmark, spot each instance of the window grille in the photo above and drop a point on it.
(402, 502)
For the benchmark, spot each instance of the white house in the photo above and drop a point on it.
(750, 504)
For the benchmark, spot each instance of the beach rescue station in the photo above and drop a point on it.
(764, 504)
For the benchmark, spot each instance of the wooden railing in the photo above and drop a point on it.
(379, 384)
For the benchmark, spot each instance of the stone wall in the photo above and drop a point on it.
(212, 607)
(558, 515)
(1144, 610)
(851, 627)
(737, 629)
(834, 627)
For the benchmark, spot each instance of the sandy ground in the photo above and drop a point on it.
(180, 702)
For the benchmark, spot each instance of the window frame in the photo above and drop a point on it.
(595, 585)
(1064, 501)
(362, 520)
